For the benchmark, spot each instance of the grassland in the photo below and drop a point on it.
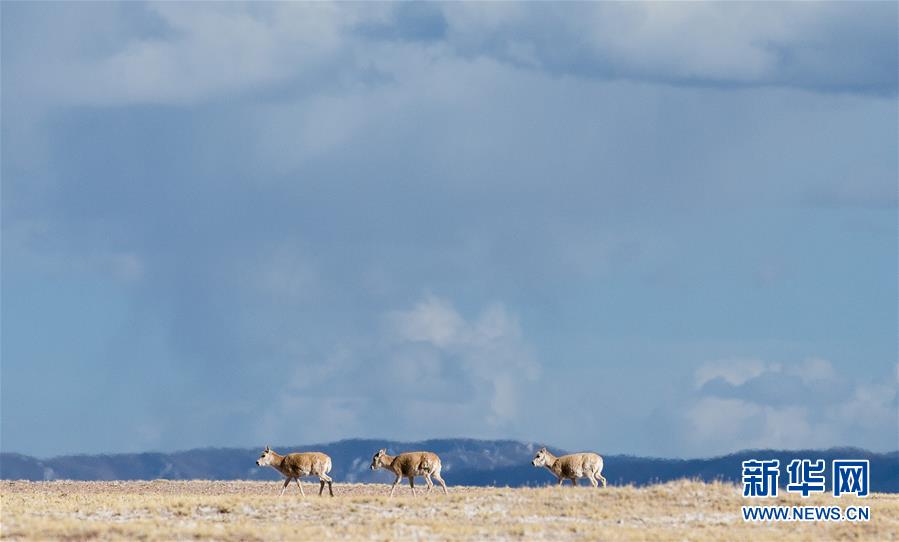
(175, 510)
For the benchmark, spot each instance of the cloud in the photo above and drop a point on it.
(820, 47)
(432, 321)
(204, 52)
(268, 183)
(308, 85)
(734, 372)
(432, 371)
(175, 53)
(490, 349)
(741, 404)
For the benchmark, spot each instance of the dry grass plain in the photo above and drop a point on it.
(191, 510)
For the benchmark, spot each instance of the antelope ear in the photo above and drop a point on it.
(267, 449)
(543, 449)
(382, 451)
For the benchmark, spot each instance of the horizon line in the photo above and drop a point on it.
(421, 441)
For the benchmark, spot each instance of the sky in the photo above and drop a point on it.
(657, 229)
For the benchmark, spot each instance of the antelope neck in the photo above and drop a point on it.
(279, 459)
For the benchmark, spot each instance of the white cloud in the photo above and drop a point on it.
(211, 50)
(731, 43)
(434, 373)
(808, 404)
(490, 350)
(713, 418)
(734, 372)
(725, 42)
(207, 50)
(432, 320)
(870, 408)
(459, 161)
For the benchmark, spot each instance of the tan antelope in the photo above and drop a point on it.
(299, 465)
(571, 467)
(410, 465)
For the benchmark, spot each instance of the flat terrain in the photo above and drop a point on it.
(176, 510)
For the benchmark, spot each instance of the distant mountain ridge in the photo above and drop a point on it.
(465, 462)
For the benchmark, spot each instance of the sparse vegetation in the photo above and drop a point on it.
(178, 510)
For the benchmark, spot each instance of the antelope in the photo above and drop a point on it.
(299, 465)
(410, 465)
(571, 467)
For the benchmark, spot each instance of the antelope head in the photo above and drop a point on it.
(541, 459)
(266, 458)
(377, 461)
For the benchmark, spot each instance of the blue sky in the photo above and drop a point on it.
(663, 229)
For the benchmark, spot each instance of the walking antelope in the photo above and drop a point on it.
(410, 465)
(571, 467)
(299, 465)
